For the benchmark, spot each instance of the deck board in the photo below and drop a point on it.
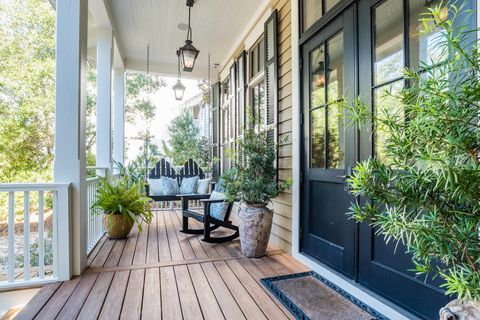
(165, 274)
(152, 304)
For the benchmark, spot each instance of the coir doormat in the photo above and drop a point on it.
(308, 295)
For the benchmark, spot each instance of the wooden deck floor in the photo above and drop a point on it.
(164, 274)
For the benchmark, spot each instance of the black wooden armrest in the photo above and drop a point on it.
(193, 196)
(213, 201)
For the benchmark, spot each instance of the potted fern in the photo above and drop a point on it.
(122, 205)
(253, 181)
(425, 192)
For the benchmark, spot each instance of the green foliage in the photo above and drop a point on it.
(253, 179)
(205, 154)
(183, 143)
(137, 100)
(134, 173)
(119, 198)
(27, 82)
(91, 126)
(427, 194)
(34, 254)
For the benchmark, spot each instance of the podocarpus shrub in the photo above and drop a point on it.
(427, 194)
(253, 179)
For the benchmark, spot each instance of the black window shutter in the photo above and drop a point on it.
(271, 75)
(240, 89)
(216, 128)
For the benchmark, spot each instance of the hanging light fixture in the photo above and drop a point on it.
(188, 52)
(178, 88)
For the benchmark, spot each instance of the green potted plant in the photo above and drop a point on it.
(122, 205)
(424, 191)
(253, 181)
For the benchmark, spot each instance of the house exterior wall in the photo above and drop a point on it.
(282, 221)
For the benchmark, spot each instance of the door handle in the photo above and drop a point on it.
(348, 175)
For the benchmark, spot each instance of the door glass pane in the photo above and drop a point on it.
(388, 33)
(312, 11)
(336, 137)
(424, 49)
(317, 138)
(329, 4)
(386, 105)
(335, 68)
(317, 69)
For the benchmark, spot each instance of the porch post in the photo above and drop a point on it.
(119, 115)
(104, 98)
(70, 119)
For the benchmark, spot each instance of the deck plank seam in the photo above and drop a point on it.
(211, 289)
(230, 291)
(246, 289)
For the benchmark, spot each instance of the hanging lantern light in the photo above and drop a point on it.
(319, 75)
(188, 52)
(178, 88)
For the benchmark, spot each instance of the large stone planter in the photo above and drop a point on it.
(117, 226)
(255, 226)
(456, 310)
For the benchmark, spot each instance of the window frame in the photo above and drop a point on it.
(255, 50)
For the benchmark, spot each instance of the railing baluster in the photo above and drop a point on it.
(54, 231)
(26, 235)
(89, 212)
(41, 240)
(11, 236)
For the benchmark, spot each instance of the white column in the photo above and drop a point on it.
(104, 98)
(70, 118)
(119, 115)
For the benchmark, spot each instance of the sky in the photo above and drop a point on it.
(167, 109)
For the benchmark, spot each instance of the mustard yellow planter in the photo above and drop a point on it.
(117, 226)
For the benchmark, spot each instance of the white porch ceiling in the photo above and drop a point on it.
(216, 24)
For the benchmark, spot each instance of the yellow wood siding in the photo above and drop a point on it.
(282, 220)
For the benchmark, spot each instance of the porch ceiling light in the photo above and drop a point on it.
(319, 75)
(178, 88)
(188, 52)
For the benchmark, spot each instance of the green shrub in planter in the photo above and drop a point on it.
(425, 192)
(253, 181)
(123, 205)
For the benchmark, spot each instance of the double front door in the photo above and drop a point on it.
(359, 53)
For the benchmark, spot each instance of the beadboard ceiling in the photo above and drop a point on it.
(216, 25)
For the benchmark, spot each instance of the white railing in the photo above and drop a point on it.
(94, 219)
(34, 233)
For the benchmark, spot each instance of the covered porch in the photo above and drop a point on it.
(162, 273)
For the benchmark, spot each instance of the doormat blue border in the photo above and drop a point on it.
(269, 283)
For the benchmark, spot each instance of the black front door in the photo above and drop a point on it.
(389, 43)
(336, 64)
(328, 76)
